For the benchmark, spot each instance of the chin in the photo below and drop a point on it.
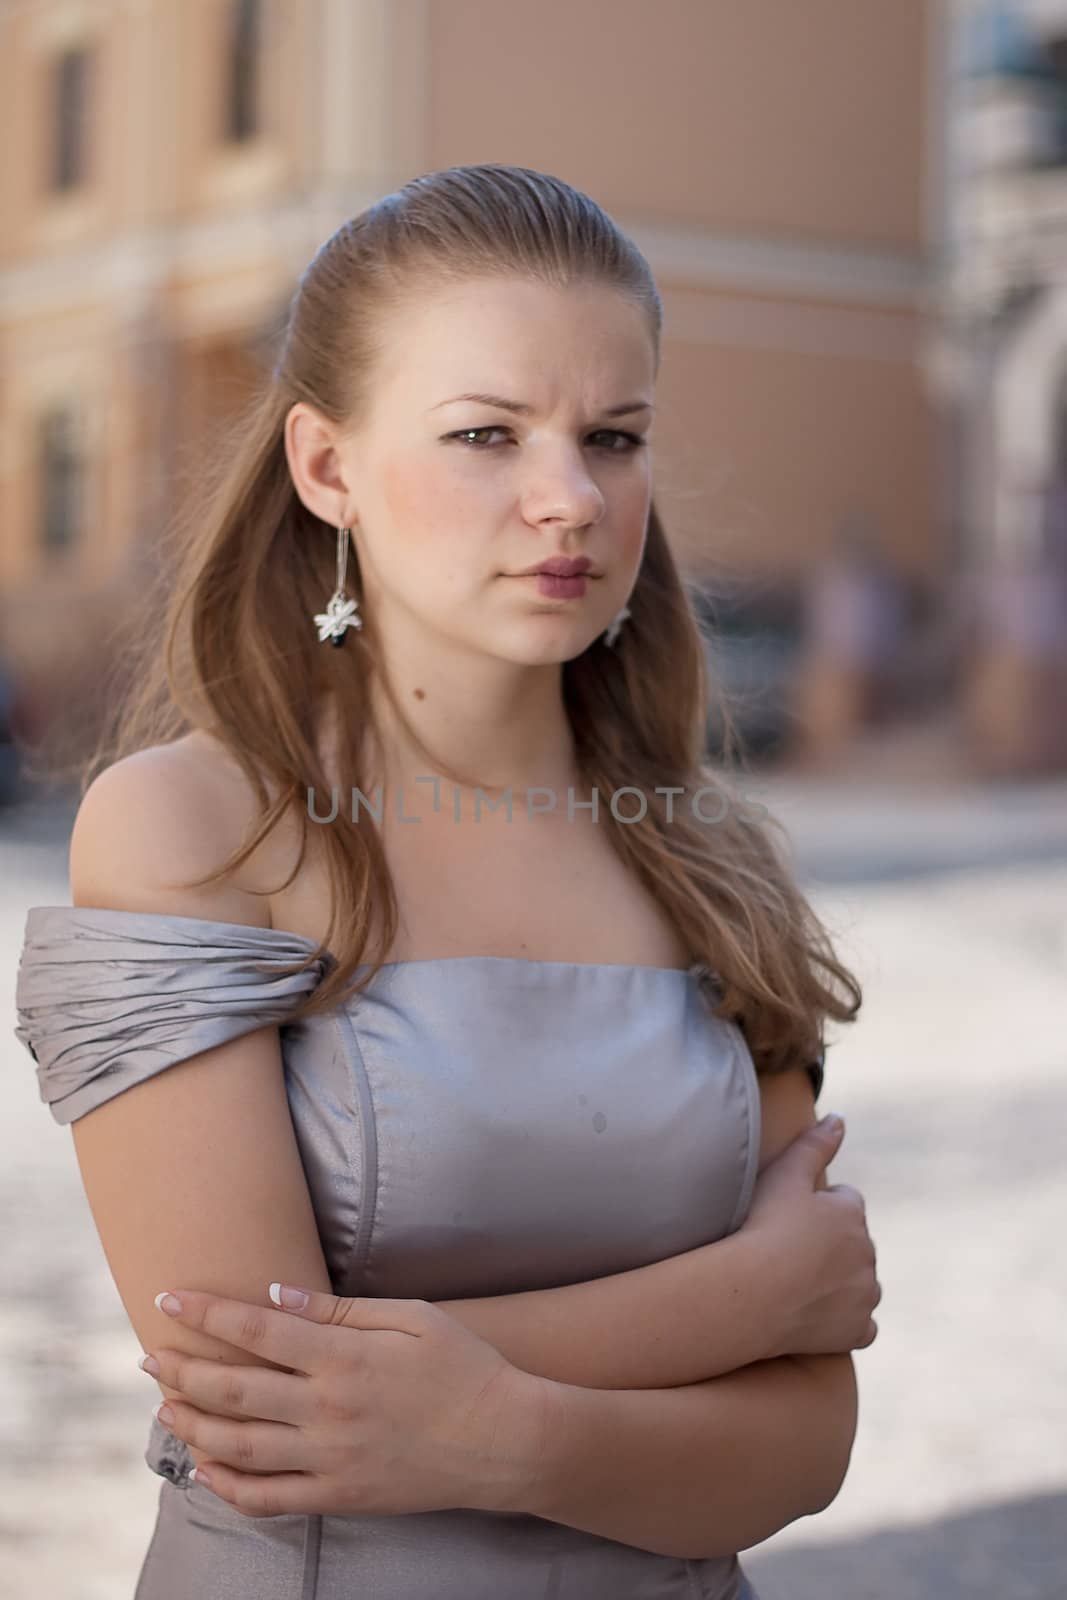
(550, 652)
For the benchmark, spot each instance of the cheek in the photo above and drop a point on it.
(428, 506)
(431, 526)
(414, 498)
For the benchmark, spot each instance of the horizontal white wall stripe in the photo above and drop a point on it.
(276, 237)
(834, 271)
(704, 258)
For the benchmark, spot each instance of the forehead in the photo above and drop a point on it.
(503, 335)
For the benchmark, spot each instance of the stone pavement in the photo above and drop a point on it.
(952, 908)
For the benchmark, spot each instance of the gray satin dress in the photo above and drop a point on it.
(473, 1125)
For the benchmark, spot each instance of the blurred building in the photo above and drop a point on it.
(999, 364)
(169, 169)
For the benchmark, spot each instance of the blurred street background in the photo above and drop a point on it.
(856, 212)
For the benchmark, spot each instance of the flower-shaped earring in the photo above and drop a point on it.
(342, 611)
(612, 633)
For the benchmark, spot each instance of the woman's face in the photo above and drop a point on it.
(452, 498)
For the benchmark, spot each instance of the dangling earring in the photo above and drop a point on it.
(612, 633)
(342, 611)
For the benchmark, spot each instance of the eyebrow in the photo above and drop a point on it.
(520, 410)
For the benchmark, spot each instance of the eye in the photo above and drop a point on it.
(631, 441)
(467, 436)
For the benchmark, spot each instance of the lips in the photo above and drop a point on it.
(561, 567)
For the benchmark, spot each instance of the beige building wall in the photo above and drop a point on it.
(768, 157)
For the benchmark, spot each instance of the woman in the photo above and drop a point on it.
(418, 960)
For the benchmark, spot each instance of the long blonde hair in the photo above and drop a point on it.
(242, 660)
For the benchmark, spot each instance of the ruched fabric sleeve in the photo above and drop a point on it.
(105, 999)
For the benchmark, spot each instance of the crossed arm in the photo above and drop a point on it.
(705, 1468)
(672, 1426)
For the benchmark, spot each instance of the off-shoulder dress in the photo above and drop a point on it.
(471, 1125)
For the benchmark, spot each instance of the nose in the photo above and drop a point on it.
(562, 490)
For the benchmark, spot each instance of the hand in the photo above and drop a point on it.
(815, 1244)
(391, 1406)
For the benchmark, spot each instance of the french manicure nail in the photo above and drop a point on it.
(292, 1299)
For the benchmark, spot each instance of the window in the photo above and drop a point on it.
(244, 47)
(70, 118)
(61, 480)
(998, 40)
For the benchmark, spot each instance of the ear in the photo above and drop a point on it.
(316, 465)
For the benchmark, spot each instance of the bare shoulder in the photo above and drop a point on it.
(152, 823)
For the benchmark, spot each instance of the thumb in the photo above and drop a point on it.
(338, 1311)
(816, 1146)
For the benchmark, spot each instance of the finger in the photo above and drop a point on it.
(241, 1391)
(364, 1312)
(291, 1338)
(277, 1495)
(278, 1336)
(247, 1446)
